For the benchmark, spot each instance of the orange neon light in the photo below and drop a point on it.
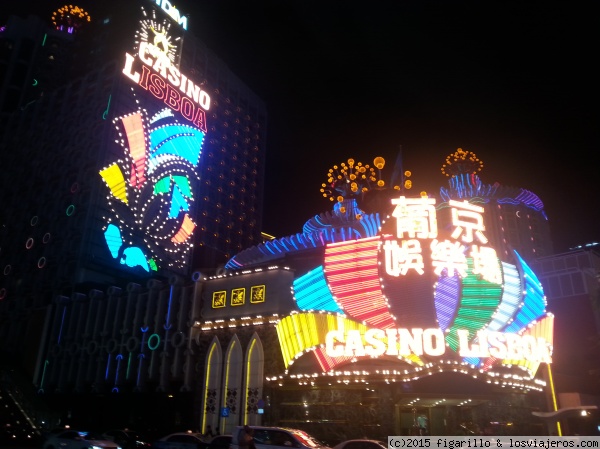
(187, 227)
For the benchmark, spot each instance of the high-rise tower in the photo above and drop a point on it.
(130, 151)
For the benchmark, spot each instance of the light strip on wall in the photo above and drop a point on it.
(113, 176)
(351, 269)
(134, 130)
(543, 328)
(479, 301)
(534, 301)
(187, 227)
(311, 292)
(511, 297)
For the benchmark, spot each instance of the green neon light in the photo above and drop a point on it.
(153, 347)
(105, 113)
(128, 365)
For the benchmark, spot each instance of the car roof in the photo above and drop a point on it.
(85, 433)
(272, 427)
(195, 434)
(360, 440)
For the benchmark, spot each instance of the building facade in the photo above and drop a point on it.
(130, 151)
(394, 319)
(129, 185)
(571, 283)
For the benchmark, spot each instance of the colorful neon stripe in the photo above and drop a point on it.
(352, 273)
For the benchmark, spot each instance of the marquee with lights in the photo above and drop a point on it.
(151, 186)
(427, 290)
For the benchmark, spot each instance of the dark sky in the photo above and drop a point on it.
(513, 81)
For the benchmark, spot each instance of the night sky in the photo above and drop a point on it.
(515, 82)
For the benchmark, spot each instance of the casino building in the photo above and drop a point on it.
(134, 273)
(130, 153)
(401, 321)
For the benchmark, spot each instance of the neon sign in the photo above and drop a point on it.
(173, 12)
(151, 191)
(167, 83)
(428, 287)
(431, 342)
(152, 186)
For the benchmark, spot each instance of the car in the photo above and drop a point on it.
(78, 439)
(182, 440)
(361, 444)
(126, 438)
(274, 437)
(219, 442)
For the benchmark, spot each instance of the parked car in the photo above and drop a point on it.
(126, 438)
(182, 440)
(78, 439)
(219, 442)
(277, 437)
(361, 444)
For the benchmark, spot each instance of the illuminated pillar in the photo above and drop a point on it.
(552, 401)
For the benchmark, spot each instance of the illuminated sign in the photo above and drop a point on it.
(162, 79)
(151, 186)
(428, 288)
(238, 296)
(172, 12)
(431, 342)
(417, 218)
(151, 191)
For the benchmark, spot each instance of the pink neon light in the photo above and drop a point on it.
(134, 130)
(352, 273)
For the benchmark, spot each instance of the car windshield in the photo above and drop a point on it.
(90, 435)
(306, 439)
(132, 435)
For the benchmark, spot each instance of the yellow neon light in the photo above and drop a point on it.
(248, 364)
(554, 402)
(228, 364)
(302, 332)
(209, 360)
(544, 329)
(113, 176)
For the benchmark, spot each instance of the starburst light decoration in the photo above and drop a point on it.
(70, 18)
(157, 33)
(462, 162)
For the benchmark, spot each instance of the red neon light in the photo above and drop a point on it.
(328, 363)
(134, 129)
(158, 87)
(352, 273)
